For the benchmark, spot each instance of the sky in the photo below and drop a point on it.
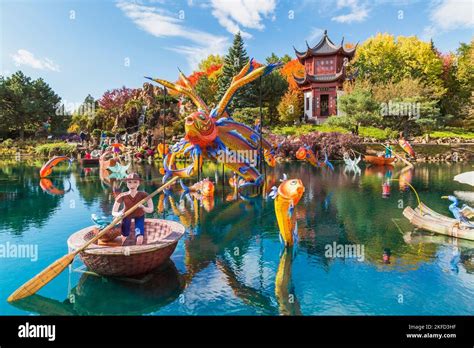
(87, 47)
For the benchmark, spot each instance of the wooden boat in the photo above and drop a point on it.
(427, 219)
(90, 161)
(378, 160)
(111, 258)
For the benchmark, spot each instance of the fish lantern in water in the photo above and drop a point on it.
(287, 196)
(163, 149)
(304, 153)
(47, 168)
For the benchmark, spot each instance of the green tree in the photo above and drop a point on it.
(249, 115)
(273, 58)
(465, 79)
(360, 109)
(383, 58)
(273, 87)
(234, 61)
(25, 103)
(207, 90)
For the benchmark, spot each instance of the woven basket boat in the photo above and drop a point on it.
(110, 258)
(378, 160)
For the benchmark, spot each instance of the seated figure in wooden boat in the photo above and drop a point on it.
(388, 150)
(129, 199)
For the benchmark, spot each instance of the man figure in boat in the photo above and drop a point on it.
(129, 199)
(388, 150)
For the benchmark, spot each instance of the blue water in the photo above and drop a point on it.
(227, 263)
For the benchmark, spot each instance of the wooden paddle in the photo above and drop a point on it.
(400, 157)
(53, 270)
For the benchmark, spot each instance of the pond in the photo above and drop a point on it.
(231, 261)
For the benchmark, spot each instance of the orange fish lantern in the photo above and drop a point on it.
(287, 196)
(405, 145)
(236, 181)
(163, 149)
(305, 153)
(204, 187)
(269, 157)
(47, 168)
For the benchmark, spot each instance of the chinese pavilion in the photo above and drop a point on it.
(324, 66)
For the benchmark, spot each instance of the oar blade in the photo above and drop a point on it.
(42, 278)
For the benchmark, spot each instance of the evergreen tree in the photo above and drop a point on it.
(25, 104)
(234, 61)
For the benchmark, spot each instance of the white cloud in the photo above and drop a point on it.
(24, 57)
(160, 23)
(428, 32)
(453, 14)
(314, 35)
(195, 54)
(233, 15)
(358, 11)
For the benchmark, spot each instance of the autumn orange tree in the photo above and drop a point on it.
(290, 107)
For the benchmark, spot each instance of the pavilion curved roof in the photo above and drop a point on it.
(319, 78)
(325, 47)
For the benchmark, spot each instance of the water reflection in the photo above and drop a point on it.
(48, 187)
(222, 234)
(95, 295)
(288, 304)
(23, 203)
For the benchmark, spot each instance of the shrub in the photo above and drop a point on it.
(96, 133)
(53, 149)
(308, 128)
(7, 143)
(377, 133)
(460, 133)
(333, 143)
